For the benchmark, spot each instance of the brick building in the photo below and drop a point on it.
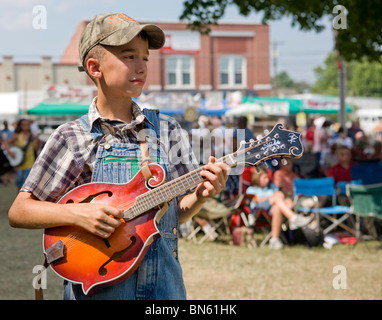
(231, 57)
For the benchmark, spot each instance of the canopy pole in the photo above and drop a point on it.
(342, 78)
(341, 66)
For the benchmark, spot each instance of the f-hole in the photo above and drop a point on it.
(102, 271)
(92, 196)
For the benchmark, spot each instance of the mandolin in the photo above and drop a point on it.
(81, 257)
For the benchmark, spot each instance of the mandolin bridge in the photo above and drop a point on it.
(54, 252)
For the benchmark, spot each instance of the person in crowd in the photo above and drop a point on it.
(377, 151)
(355, 132)
(343, 139)
(309, 136)
(7, 174)
(342, 170)
(242, 132)
(284, 176)
(29, 144)
(268, 197)
(329, 158)
(218, 138)
(321, 139)
(6, 132)
(360, 147)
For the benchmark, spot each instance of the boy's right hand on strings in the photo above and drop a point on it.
(99, 219)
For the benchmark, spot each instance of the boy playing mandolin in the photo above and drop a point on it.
(105, 146)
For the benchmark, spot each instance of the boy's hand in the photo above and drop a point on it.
(216, 175)
(98, 219)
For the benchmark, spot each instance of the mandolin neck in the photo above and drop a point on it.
(168, 191)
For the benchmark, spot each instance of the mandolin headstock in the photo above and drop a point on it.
(277, 143)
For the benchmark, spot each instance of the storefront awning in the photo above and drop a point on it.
(287, 106)
(60, 109)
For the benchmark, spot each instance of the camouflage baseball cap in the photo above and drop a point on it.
(115, 29)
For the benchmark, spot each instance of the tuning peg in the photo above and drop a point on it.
(259, 137)
(284, 161)
(258, 170)
(265, 164)
(266, 131)
(274, 162)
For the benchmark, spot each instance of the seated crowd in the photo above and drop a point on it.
(327, 154)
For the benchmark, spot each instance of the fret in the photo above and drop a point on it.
(189, 183)
(159, 194)
(139, 205)
(195, 177)
(171, 189)
(184, 187)
(166, 191)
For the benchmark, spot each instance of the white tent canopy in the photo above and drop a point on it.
(9, 103)
(12, 104)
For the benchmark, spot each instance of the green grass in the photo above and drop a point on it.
(214, 270)
(220, 271)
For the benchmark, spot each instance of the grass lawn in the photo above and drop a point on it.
(216, 270)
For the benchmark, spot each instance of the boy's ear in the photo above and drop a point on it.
(93, 68)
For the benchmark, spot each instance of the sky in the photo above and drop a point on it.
(27, 39)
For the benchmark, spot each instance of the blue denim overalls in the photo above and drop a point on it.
(159, 276)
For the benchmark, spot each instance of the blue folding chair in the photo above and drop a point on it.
(315, 188)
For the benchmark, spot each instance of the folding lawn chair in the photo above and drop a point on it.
(368, 172)
(308, 165)
(366, 204)
(217, 214)
(262, 220)
(315, 188)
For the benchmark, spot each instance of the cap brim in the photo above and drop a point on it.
(155, 35)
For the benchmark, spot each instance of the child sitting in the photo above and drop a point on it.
(268, 197)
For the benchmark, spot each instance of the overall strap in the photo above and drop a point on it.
(154, 125)
(153, 117)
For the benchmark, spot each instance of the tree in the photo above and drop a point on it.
(361, 38)
(327, 77)
(284, 81)
(363, 78)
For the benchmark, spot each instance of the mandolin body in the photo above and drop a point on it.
(95, 262)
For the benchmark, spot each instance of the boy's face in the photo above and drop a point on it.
(124, 68)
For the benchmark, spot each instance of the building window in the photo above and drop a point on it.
(232, 71)
(180, 72)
